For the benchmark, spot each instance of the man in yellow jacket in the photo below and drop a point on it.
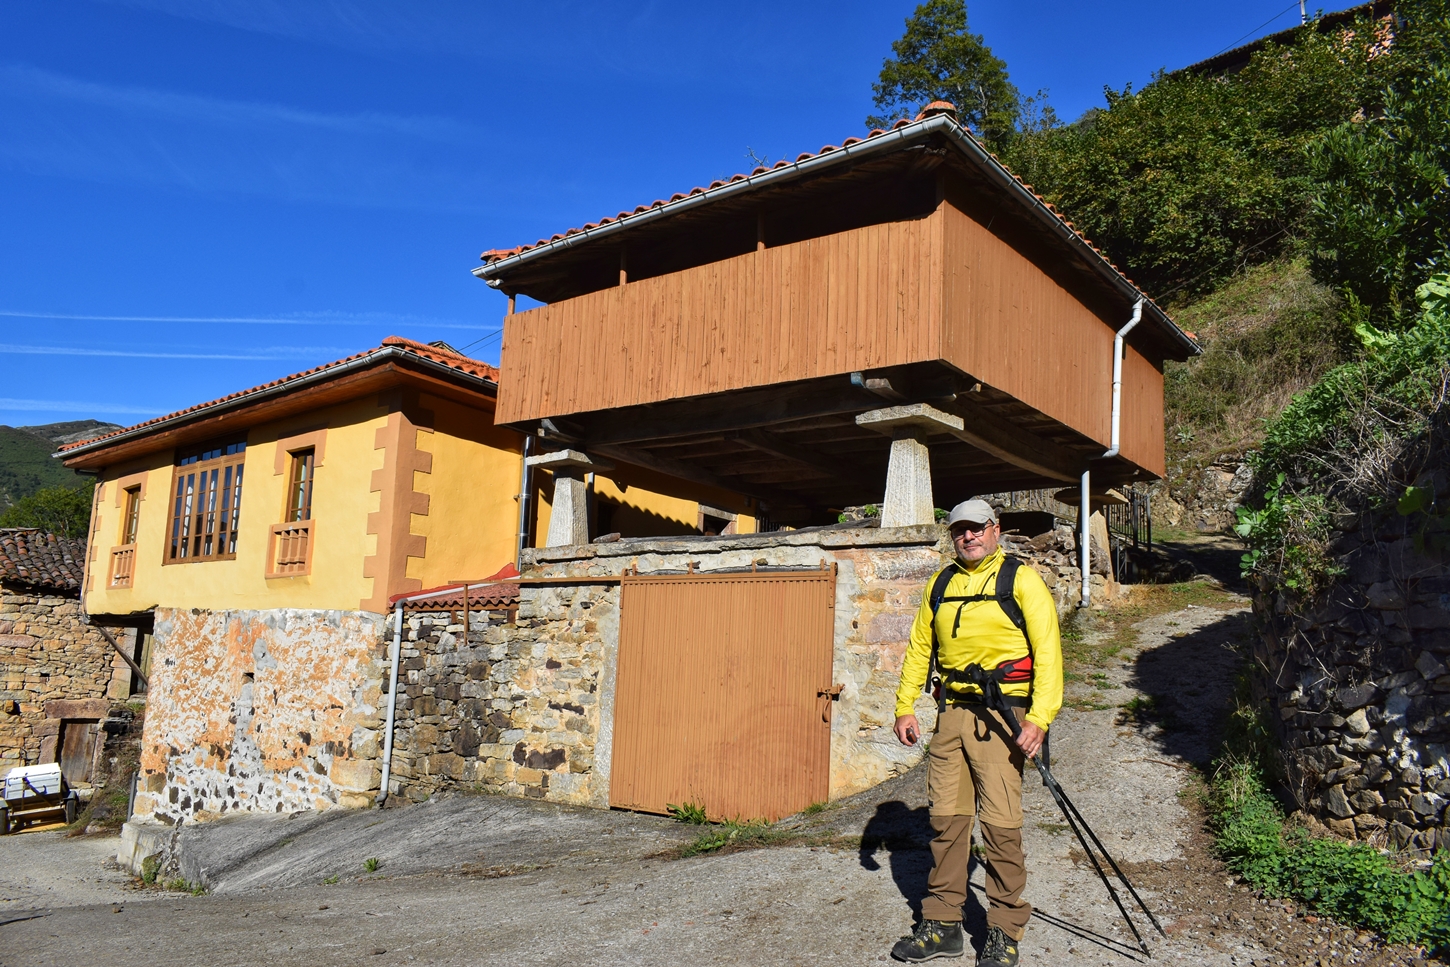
(974, 766)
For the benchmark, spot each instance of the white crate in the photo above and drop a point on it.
(27, 782)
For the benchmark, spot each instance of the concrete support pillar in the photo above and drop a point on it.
(908, 474)
(908, 480)
(569, 512)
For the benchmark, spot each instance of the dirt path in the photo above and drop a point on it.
(557, 886)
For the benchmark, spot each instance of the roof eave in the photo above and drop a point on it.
(895, 139)
(262, 394)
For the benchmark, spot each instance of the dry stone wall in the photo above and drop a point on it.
(47, 655)
(513, 708)
(1359, 686)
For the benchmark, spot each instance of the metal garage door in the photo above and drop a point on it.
(723, 693)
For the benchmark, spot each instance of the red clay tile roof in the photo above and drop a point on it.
(40, 559)
(452, 359)
(929, 113)
(481, 595)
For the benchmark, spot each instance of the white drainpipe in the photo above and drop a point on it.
(392, 701)
(393, 673)
(1115, 439)
(1118, 351)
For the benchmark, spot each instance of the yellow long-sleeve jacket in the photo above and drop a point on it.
(987, 637)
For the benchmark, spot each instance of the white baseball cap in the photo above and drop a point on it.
(972, 512)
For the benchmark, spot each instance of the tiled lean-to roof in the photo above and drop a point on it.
(392, 346)
(41, 559)
(938, 117)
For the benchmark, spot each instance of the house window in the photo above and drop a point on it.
(206, 503)
(123, 558)
(132, 516)
(299, 486)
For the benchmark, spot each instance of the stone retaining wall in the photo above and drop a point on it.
(48, 655)
(1359, 687)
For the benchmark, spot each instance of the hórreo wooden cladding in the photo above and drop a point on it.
(123, 565)
(722, 693)
(290, 550)
(860, 299)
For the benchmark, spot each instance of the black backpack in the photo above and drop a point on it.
(1019, 670)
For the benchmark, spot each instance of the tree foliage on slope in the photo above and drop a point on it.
(1195, 176)
(1379, 224)
(939, 58)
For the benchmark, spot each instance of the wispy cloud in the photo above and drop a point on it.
(275, 352)
(217, 111)
(318, 319)
(78, 406)
(55, 124)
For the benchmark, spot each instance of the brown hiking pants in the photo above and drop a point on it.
(975, 768)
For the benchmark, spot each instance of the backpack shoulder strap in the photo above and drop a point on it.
(1006, 600)
(938, 591)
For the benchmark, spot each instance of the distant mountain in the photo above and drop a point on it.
(71, 431)
(25, 456)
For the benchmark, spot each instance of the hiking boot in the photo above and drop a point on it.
(1000, 950)
(934, 938)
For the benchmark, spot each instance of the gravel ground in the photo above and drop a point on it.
(479, 880)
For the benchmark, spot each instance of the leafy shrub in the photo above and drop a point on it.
(1353, 882)
(1390, 394)
(1288, 540)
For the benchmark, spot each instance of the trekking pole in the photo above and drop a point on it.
(992, 693)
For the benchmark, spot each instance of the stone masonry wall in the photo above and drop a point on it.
(1360, 686)
(46, 656)
(271, 711)
(513, 708)
(526, 709)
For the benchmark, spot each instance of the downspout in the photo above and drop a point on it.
(392, 701)
(525, 491)
(1118, 350)
(1115, 441)
(393, 673)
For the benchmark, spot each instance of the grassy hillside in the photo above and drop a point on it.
(1268, 333)
(25, 457)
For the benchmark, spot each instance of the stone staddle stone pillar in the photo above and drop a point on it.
(569, 512)
(908, 475)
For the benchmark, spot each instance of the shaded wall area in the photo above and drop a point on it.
(1358, 684)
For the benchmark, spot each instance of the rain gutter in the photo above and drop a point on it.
(264, 393)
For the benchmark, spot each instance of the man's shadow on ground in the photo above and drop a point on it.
(906, 834)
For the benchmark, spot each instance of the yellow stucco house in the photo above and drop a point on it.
(256, 541)
(338, 488)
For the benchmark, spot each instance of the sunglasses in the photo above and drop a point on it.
(967, 526)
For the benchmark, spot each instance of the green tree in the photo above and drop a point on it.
(1379, 225)
(939, 58)
(1194, 176)
(64, 511)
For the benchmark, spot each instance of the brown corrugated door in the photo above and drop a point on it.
(722, 693)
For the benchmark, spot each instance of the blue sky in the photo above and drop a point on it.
(197, 196)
